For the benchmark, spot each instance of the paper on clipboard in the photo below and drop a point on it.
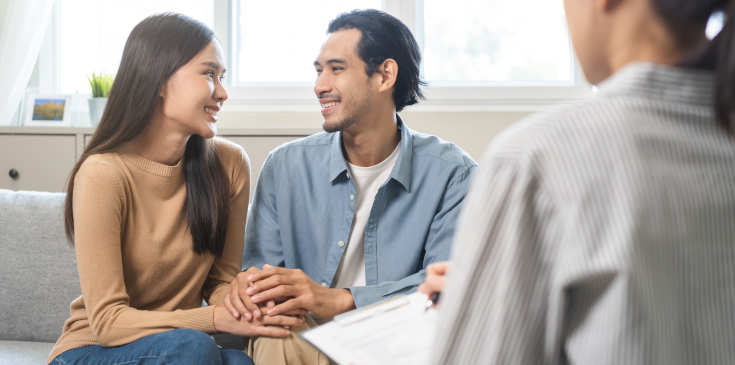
(394, 331)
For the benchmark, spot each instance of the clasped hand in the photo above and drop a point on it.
(283, 291)
(264, 326)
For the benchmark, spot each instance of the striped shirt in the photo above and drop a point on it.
(601, 233)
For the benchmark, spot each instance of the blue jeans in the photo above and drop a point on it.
(181, 346)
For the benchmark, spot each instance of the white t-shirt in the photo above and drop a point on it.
(351, 270)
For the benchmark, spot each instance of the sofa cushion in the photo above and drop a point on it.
(38, 269)
(22, 353)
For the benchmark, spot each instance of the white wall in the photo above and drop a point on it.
(471, 131)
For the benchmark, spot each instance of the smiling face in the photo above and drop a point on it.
(342, 85)
(193, 95)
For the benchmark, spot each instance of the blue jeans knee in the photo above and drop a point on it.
(191, 345)
(180, 346)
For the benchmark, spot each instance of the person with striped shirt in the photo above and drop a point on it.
(603, 232)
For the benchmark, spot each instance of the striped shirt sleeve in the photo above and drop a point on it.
(499, 258)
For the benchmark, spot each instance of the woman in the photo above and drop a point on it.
(156, 209)
(604, 232)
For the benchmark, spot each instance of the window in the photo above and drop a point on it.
(278, 40)
(479, 55)
(472, 42)
(486, 42)
(92, 34)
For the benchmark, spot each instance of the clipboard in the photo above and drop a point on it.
(395, 331)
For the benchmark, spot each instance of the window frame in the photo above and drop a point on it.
(299, 97)
(447, 97)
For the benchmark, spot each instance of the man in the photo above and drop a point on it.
(354, 215)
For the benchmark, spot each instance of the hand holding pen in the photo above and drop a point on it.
(436, 276)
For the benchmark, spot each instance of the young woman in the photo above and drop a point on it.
(156, 210)
(604, 232)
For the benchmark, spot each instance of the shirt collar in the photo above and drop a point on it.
(401, 171)
(674, 84)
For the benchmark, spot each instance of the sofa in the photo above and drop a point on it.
(38, 277)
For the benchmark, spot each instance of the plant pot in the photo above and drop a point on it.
(96, 108)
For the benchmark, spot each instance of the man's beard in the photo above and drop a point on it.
(349, 119)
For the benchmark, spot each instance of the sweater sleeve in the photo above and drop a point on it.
(99, 208)
(227, 266)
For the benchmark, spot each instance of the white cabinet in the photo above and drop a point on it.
(44, 157)
(36, 162)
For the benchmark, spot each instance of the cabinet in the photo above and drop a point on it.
(44, 157)
(36, 162)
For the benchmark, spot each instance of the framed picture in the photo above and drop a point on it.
(48, 110)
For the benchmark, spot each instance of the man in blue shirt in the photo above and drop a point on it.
(354, 215)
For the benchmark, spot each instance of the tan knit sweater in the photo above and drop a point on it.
(138, 272)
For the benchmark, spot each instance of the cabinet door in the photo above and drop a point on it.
(43, 163)
(257, 148)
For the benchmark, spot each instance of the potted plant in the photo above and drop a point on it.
(101, 85)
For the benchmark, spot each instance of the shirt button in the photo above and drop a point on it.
(348, 175)
(352, 196)
(324, 285)
(341, 243)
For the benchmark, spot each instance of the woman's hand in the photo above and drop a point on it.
(225, 322)
(436, 277)
(237, 301)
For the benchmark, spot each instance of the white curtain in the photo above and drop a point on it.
(22, 27)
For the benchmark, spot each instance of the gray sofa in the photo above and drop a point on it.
(38, 277)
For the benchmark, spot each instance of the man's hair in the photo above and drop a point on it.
(384, 37)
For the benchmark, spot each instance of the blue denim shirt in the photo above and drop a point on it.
(301, 209)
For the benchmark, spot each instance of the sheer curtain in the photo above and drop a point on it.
(22, 26)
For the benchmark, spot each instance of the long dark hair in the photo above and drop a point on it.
(686, 19)
(384, 37)
(157, 47)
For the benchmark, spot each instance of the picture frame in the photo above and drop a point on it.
(48, 110)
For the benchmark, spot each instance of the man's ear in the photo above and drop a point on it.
(388, 73)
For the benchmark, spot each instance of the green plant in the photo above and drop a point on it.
(101, 84)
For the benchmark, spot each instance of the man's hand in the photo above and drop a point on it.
(237, 302)
(304, 293)
(436, 277)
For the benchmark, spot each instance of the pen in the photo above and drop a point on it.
(433, 300)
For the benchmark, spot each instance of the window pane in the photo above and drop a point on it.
(279, 39)
(496, 41)
(93, 33)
